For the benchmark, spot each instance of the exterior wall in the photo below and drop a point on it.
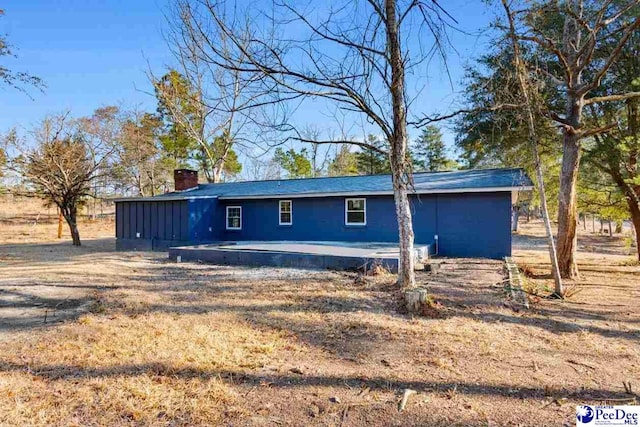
(143, 225)
(313, 219)
(204, 222)
(467, 225)
(474, 225)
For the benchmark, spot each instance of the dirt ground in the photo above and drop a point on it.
(90, 336)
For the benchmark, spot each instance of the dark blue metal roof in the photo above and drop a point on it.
(424, 182)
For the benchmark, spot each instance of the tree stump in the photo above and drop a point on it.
(417, 300)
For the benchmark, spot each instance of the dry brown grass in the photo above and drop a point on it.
(194, 344)
(147, 369)
(21, 232)
(12, 206)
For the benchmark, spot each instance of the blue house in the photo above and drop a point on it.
(468, 212)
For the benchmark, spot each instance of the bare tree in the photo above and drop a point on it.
(60, 166)
(318, 157)
(139, 162)
(211, 104)
(350, 53)
(15, 79)
(260, 169)
(530, 97)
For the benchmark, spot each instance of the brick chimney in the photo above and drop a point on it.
(185, 179)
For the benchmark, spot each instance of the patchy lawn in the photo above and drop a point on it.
(131, 339)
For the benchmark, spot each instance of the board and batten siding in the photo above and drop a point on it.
(146, 225)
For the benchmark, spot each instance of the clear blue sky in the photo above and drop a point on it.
(92, 53)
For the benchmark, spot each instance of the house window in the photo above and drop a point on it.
(285, 212)
(355, 212)
(234, 218)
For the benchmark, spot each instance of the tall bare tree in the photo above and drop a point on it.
(353, 54)
(318, 157)
(210, 104)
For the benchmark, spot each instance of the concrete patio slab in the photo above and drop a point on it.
(316, 255)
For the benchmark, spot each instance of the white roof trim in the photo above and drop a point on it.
(323, 194)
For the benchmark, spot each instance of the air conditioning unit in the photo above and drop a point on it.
(421, 253)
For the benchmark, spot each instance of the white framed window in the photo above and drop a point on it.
(285, 212)
(234, 217)
(355, 211)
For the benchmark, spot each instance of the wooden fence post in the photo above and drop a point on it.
(59, 224)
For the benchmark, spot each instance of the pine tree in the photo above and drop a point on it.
(370, 162)
(429, 151)
(296, 164)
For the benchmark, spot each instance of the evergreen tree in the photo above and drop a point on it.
(369, 161)
(178, 146)
(296, 164)
(429, 151)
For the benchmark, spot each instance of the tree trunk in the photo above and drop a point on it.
(571, 148)
(70, 215)
(398, 154)
(406, 265)
(635, 219)
(567, 214)
(525, 87)
(610, 228)
(152, 184)
(633, 201)
(217, 174)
